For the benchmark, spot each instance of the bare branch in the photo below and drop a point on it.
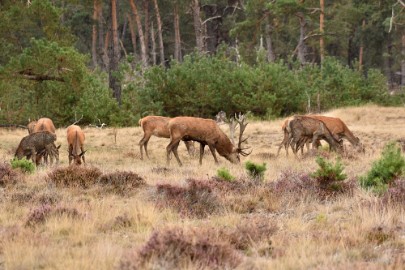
(30, 75)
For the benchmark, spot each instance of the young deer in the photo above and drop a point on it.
(75, 138)
(157, 126)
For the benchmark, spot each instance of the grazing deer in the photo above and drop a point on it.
(157, 126)
(206, 132)
(75, 138)
(36, 144)
(339, 129)
(304, 128)
(44, 124)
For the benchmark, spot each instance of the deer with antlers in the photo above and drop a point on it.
(206, 132)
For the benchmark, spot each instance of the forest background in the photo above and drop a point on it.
(116, 61)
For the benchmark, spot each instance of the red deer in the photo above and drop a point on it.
(339, 130)
(206, 132)
(44, 124)
(36, 144)
(304, 127)
(157, 126)
(75, 138)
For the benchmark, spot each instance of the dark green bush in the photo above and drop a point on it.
(23, 164)
(328, 174)
(385, 170)
(224, 174)
(254, 170)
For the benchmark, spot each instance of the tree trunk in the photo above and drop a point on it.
(115, 54)
(147, 27)
(134, 9)
(302, 47)
(197, 26)
(94, 34)
(361, 51)
(403, 61)
(177, 40)
(321, 30)
(159, 32)
(153, 41)
(269, 46)
(133, 34)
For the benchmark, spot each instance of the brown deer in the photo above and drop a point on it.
(339, 129)
(304, 128)
(206, 132)
(75, 138)
(157, 126)
(44, 124)
(36, 144)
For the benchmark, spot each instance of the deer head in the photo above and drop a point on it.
(234, 157)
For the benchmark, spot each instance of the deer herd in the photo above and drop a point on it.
(298, 130)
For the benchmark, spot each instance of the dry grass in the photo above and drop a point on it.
(118, 208)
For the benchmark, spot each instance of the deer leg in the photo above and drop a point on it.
(189, 146)
(212, 149)
(144, 143)
(84, 160)
(284, 143)
(70, 153)
(201, 152)
(170, 148)
(176, 154)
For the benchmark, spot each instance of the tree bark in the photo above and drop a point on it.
(197, 26)
(115, 54)
(269, 46)
(133, 34)
(144, 57)
(403, 60)
(94, 34)
(147, 26)
(177, 40)
(153, 41)
(302, 47)
(321, 30)
(159, 32)
(361, 51)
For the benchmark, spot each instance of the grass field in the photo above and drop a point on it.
(182, 217)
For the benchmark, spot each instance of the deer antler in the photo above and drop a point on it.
(242, 126)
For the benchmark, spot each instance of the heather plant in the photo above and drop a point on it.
(8, 175)
(197, 199)
(224, 174)
(174, 248)
(121, 182)
(74, 176)
(329, 175)
(26, 166)
(384, 171)
(256, 171)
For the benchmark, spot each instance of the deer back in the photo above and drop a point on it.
(44, 124)
(75, 138)
(156, 125)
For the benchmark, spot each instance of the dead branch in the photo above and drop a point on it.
(30, 75)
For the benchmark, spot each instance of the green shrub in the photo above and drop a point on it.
(385, 170)
(23, 164)
(328, 174)
(255, 170)
(224, 174)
